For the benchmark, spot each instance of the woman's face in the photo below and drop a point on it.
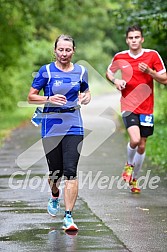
(64, 51)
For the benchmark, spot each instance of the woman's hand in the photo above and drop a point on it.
(84, 98)
(35, 98)
(57, 99)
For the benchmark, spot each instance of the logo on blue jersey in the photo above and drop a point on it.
(58, 83)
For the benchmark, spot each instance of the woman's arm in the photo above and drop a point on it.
(34, 97)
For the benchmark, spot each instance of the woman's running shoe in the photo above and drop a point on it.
(54, 205)
(68, 223)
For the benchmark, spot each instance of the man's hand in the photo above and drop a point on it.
(120, 84)
(144, 68)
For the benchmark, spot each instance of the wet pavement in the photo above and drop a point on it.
(109, 217)
(27, 227)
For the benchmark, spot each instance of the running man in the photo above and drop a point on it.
(139, 67)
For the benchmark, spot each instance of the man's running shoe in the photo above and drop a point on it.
(134, 186)
(54, 205)
(127, 173)
(68, 223)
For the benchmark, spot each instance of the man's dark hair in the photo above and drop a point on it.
(134, 28)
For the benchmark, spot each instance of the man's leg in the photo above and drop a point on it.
(138, 162)
(134, 135)
(139, 157)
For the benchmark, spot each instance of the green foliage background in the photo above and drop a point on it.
(28, 30)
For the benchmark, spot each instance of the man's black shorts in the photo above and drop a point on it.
(131, 119)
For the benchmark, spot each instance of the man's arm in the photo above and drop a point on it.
(162, 78)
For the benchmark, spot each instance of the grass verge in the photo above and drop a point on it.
(156, 148)
(11, 120)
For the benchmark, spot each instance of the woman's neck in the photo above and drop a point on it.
(64, 67)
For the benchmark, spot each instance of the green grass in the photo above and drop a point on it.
(156, 148)
(12, 120)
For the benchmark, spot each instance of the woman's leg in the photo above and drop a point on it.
(71, 152)
(53, 151)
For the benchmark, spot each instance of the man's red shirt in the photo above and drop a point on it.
(138, 96)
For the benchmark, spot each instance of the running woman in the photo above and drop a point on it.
(138, 67)
(65, 87)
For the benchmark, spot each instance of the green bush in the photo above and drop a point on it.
(156, 146)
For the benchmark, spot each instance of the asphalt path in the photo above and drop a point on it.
(139, 220)
(109, 217)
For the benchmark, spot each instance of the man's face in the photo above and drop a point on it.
(134, 40)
